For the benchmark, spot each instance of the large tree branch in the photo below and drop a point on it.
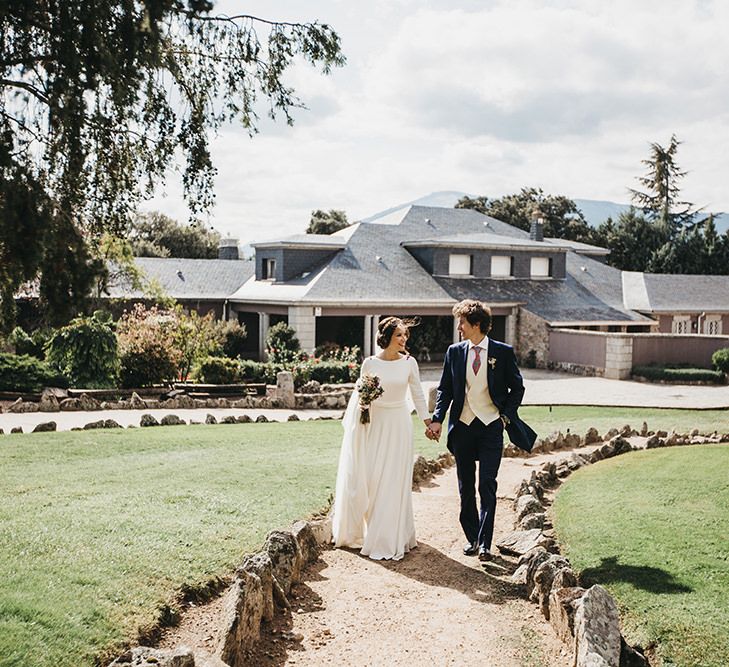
(38, 94)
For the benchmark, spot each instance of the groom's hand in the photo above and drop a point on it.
(434, 431)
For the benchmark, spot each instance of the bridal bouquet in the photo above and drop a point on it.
(369, 390)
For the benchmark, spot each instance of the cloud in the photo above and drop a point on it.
(483, 97)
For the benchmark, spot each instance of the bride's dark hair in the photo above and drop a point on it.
(387, 327)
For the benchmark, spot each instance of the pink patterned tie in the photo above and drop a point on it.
(477, 359)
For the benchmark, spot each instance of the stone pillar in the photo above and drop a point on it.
(375, 324)
(368, 340)
(618, 356)
(285, 389)
(510, 333)
(303, 321)
(456, 336)
(263, 325)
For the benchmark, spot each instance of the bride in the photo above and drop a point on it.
(373, 507)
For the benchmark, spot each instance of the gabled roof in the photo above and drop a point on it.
(190, 279)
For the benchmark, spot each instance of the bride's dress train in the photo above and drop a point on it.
(373, 508)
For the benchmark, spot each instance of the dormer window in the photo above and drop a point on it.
(502, 266)
(541, 267)
(460, 265)
(269, 269)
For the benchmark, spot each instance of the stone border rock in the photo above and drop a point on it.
(586, 618)
(316, 397)
(260, 585)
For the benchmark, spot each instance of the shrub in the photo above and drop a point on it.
(24, 373)
(234, 339)
(720, 359)
(678, 374)
(282, 345)
(334, 352)
(31, 344)
(86, 352)
(147, 347)
(194, 337)
(218, 370)
(329, 372)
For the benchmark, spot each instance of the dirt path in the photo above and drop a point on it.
(435, 607)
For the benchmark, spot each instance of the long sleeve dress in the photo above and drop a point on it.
(373, 508)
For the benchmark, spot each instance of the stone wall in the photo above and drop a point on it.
(532, 334)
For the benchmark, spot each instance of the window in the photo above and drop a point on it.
(502, 266)
(460, 265)
(681, 324)
(269, 269)
(541, 267)
(712, 325)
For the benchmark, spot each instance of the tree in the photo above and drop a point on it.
(157, 235)
(562, 218)
(661, 202)
(632, 240)
(86, 352)
(327, 222)
(100, 98)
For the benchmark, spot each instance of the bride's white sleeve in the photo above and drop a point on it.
(350, 497)
(416, 390)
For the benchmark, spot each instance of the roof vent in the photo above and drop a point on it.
(228, 249)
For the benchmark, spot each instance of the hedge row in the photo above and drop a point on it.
(23, 373)
(679, 374)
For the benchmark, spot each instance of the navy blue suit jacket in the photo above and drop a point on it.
(505, 384)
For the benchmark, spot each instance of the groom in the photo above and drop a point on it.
(483, 387)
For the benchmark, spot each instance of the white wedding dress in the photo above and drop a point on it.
(373, 507)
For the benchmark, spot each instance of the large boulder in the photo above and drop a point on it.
(148, 420)
(597, 629)
(259, 565)
(136, 402)
(562, 607)
(88, 403)
(306, 539)
(519, 542)
(242, 614)
(49, 401)
(530, 521)
(45, 427)
(19, 406)
(543, 579)
(527, 504)
(592, 436)
(171, 420)
(286, 560)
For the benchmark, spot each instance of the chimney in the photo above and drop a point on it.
(228, 249)
(536, 233)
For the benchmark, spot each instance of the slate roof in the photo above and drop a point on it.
(191, 279)
(376, 268)
(670, 293)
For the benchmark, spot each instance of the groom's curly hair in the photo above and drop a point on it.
(475, 312)
(387, 327)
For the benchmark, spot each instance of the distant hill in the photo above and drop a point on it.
(594, 210)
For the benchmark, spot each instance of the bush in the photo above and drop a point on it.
(147, 347)
(282, 345)
(31, 344)
(678, 374)
(218, 370)
(86, 352)
(334, 352)
(23, 373)
(234, 339)
(329, 372)
(720, 359)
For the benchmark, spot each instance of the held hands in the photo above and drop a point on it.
(432, 430)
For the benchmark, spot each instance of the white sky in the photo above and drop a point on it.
(482, 97)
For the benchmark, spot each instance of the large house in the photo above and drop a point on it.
(555, 301)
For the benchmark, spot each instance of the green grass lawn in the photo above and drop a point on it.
(653, 528)
(98, 529)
